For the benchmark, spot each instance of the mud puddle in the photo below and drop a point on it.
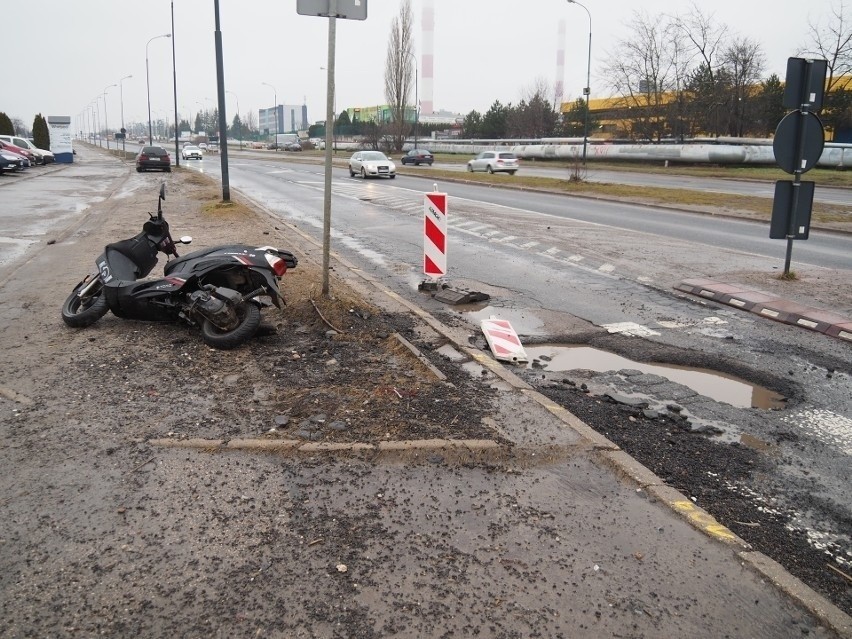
(717, 386)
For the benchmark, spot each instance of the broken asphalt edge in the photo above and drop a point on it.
(607, 451)
(770, 306)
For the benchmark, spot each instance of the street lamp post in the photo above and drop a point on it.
(174, 84)
(586, 89)
(106, 118)
(97, 112)
(239, 119)
(274, 111)
(148, 83)
(90, 112)
(121, 97)
(416, 99)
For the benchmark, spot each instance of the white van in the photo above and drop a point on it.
(42, 156)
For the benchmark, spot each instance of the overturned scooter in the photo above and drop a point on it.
(220, 289)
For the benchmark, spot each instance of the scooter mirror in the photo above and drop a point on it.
(163, 191)
(186, 239)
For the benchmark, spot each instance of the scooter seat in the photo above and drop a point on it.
(121, 267)
(131, 259)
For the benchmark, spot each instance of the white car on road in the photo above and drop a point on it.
(371, 164)
(494, 162)
(189, 151)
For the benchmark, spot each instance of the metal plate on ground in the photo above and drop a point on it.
(450, 296)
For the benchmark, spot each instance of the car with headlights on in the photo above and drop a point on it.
(153, 157)
(494, 162)
(371, 164)
(190, 151)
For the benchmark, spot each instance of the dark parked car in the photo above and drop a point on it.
(24, 153)
(293, 146)
(153, 157)
(418, 157)
(10, 161)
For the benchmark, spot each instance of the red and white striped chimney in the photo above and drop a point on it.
(559, 85)
(427, 61)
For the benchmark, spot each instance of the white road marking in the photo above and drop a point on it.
(630, 329)
(827, 426)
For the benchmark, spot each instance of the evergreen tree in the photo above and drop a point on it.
(836, 114)
(472, 125)
(532, 118)
(495, 120)
(574, 120)
(236, 130)
(6, 126)
(41, 134)
(343, 120)
(770, 110)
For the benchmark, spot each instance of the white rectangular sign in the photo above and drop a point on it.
(346, 9)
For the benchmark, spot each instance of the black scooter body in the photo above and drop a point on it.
(161, 300)
(213, 288)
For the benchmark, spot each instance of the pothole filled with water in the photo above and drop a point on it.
(713, 384)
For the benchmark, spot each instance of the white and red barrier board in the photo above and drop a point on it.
(503, 340)
(435, 234)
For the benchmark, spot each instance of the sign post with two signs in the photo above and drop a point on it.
(798, 145)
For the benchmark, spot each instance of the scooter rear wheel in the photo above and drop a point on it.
(79, 312)
(249, 315)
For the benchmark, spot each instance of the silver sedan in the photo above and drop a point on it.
(371, 164)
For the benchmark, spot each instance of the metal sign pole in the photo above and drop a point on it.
(798, 145)
(329, 107)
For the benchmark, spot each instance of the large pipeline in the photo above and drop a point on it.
(721, 151)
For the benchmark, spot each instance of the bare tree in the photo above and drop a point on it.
(250, 121)
(706, 37)
(706, 40)
(20, 127)
(399, 72)
(642, 71)
(744, 62)
(833, 42)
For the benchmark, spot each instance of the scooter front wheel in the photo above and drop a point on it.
(81, 311)
(249, 315)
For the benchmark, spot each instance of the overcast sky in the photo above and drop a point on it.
(59, 55)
